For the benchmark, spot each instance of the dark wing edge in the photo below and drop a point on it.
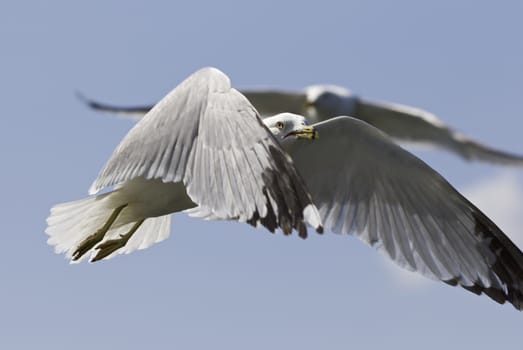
(507, 267)
(285, 195)
(128, 111)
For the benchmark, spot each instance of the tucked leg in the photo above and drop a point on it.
(108, 247)
(96, 237)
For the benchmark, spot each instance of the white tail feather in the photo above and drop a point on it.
(71, 223)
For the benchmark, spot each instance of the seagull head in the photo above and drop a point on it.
(285, 125)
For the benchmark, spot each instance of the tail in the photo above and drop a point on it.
(71, 223)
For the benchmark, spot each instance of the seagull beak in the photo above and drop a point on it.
(307, 133)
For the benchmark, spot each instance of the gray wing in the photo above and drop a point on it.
(270, 102)
(209, 136)
(364, 184)
(406, 123)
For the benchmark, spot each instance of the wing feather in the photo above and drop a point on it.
(366, 185)
(208, 135)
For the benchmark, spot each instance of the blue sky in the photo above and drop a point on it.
(224, 284)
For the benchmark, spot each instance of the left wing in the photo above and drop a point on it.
(207, 135)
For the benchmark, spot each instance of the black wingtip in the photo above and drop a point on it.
(507, 266)
(88, 102)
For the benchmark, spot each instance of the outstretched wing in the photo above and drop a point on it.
(207, 135)
(405, 123)
(364, 184)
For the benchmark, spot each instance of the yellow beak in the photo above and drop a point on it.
(307, 132)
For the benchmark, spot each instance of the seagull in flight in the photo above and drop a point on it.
(317, 103)
(204, 150)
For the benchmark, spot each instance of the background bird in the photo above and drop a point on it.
(321, 102)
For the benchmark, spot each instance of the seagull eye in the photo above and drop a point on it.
(279, 125)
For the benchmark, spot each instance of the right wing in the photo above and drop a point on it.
(366, 185)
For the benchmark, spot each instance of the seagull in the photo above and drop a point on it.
(317, 103)
(203, 149)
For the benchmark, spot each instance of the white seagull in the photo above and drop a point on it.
(204, 149)
(321, 102)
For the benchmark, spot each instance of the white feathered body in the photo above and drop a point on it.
(70, 223)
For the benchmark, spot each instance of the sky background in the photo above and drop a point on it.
(223, 284)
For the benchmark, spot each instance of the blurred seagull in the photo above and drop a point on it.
(203, 149)
(321, 102)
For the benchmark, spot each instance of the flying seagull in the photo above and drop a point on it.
(203, 149)
(321, 102)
